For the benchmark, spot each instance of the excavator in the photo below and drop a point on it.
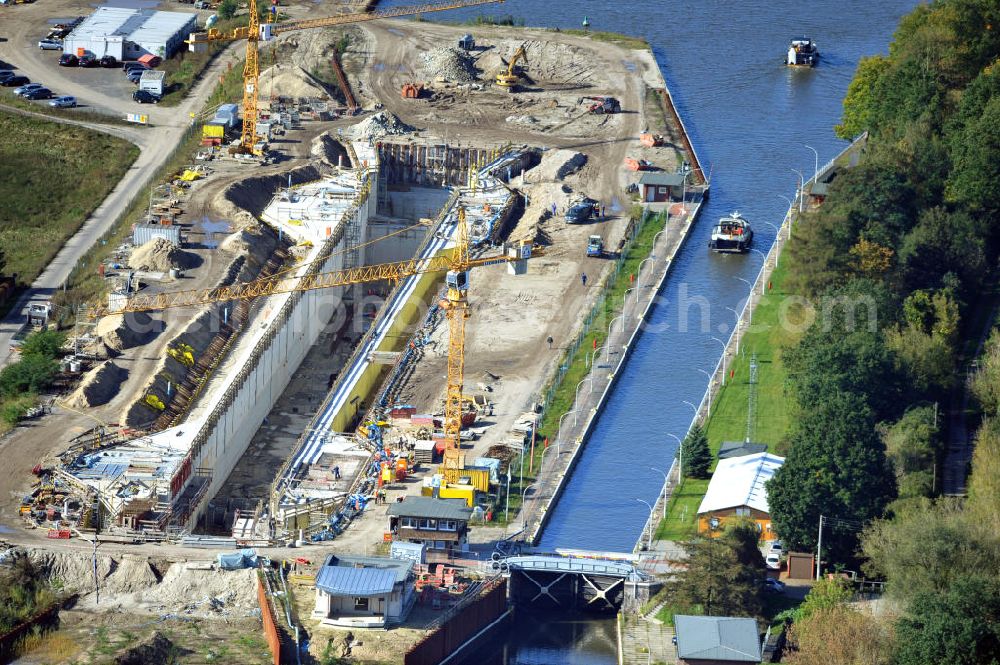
(455, 264)
(255, 32)
(603, 105)
(510, 78)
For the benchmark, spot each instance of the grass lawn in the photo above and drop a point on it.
(728, 419)
(52, 176)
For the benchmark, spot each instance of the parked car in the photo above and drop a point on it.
(109, 61)
(68, 60)
(87, 60)
(14, 80)
(27, 87)
(774, 585)
(38, 93)
(134, 77)
(773, 561)
(64, 102)
(6, 74)
(129, 66)
(50, 45)
(775, 546)
(145, 97)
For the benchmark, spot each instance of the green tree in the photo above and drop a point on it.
(860, 99)
(696, 455)
(32, 374)
(943, 241)
(926, 550)
(911, 444)
(975, 180)
(836, 467)
(960, 626)
(45, 343)
(723, 574)
(826, 594)
(983, 505)
(227, 9)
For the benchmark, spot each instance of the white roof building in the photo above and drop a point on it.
(128, 34)
(739, 481)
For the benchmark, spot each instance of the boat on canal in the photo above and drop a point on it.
(733, 234)
(802, 53)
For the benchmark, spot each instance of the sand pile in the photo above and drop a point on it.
(199, 592)
(558, 164)
(291, 81)
(379, 125)
(99, 386)
(131, 574)
(118, 332)
(329, 151)
(73, 571)
(449, 63)
(159, 255)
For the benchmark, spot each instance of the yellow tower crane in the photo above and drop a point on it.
(456, 266)
(255, 32)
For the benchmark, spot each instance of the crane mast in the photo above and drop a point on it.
(254, 33)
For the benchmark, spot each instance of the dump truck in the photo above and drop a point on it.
(595, 246)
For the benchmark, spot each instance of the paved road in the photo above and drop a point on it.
(156, 143)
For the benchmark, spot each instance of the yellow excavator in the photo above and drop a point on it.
(509, 78)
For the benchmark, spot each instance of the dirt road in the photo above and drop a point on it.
(156, 142)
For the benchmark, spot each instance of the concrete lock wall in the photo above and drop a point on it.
(231, 426)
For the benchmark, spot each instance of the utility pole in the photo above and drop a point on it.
(819, 547)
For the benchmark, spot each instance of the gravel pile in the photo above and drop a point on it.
(379, 125)
(450, 64)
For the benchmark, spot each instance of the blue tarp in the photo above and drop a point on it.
(238, 560)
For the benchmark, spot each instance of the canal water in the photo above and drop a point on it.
(749, 118)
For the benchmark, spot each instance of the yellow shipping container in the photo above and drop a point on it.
(213, 131)
(467, 492)
(478, 478)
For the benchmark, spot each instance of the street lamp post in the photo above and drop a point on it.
(816, 162)
(665, 481)
(710, 386)
(559, 430)
(638, 277)
(649, 534)
(725, 348)
(607, 345)
(680, 454)
(625, 299)
(802, 185)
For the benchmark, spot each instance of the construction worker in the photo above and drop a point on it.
(549, 340)
(583, 279)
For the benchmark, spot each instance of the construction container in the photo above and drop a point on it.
(407, 551)
(143, 233)
(152, 82)
(477, 478)
(228, 114)
(213, 130)
(464, 492)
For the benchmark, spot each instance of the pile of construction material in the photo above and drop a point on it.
(559, 164)
(380, 125)
(160, 255)
(450, 64)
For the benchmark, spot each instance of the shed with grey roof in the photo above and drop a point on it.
(128, 34)
(716, 640)
(364, 592)
(440, 524)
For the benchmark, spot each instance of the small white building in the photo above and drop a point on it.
(128, 34)
(364, 592)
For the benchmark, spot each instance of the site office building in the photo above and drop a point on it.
(129, 34)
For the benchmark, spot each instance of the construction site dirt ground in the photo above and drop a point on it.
(510, 317)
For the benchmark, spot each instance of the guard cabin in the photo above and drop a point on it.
(732, 234)
(802, 53)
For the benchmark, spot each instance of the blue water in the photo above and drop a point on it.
(748, 117)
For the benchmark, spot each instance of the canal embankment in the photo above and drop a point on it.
(769, 319)
(609, 352)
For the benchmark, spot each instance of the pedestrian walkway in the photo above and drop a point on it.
(647, 642)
